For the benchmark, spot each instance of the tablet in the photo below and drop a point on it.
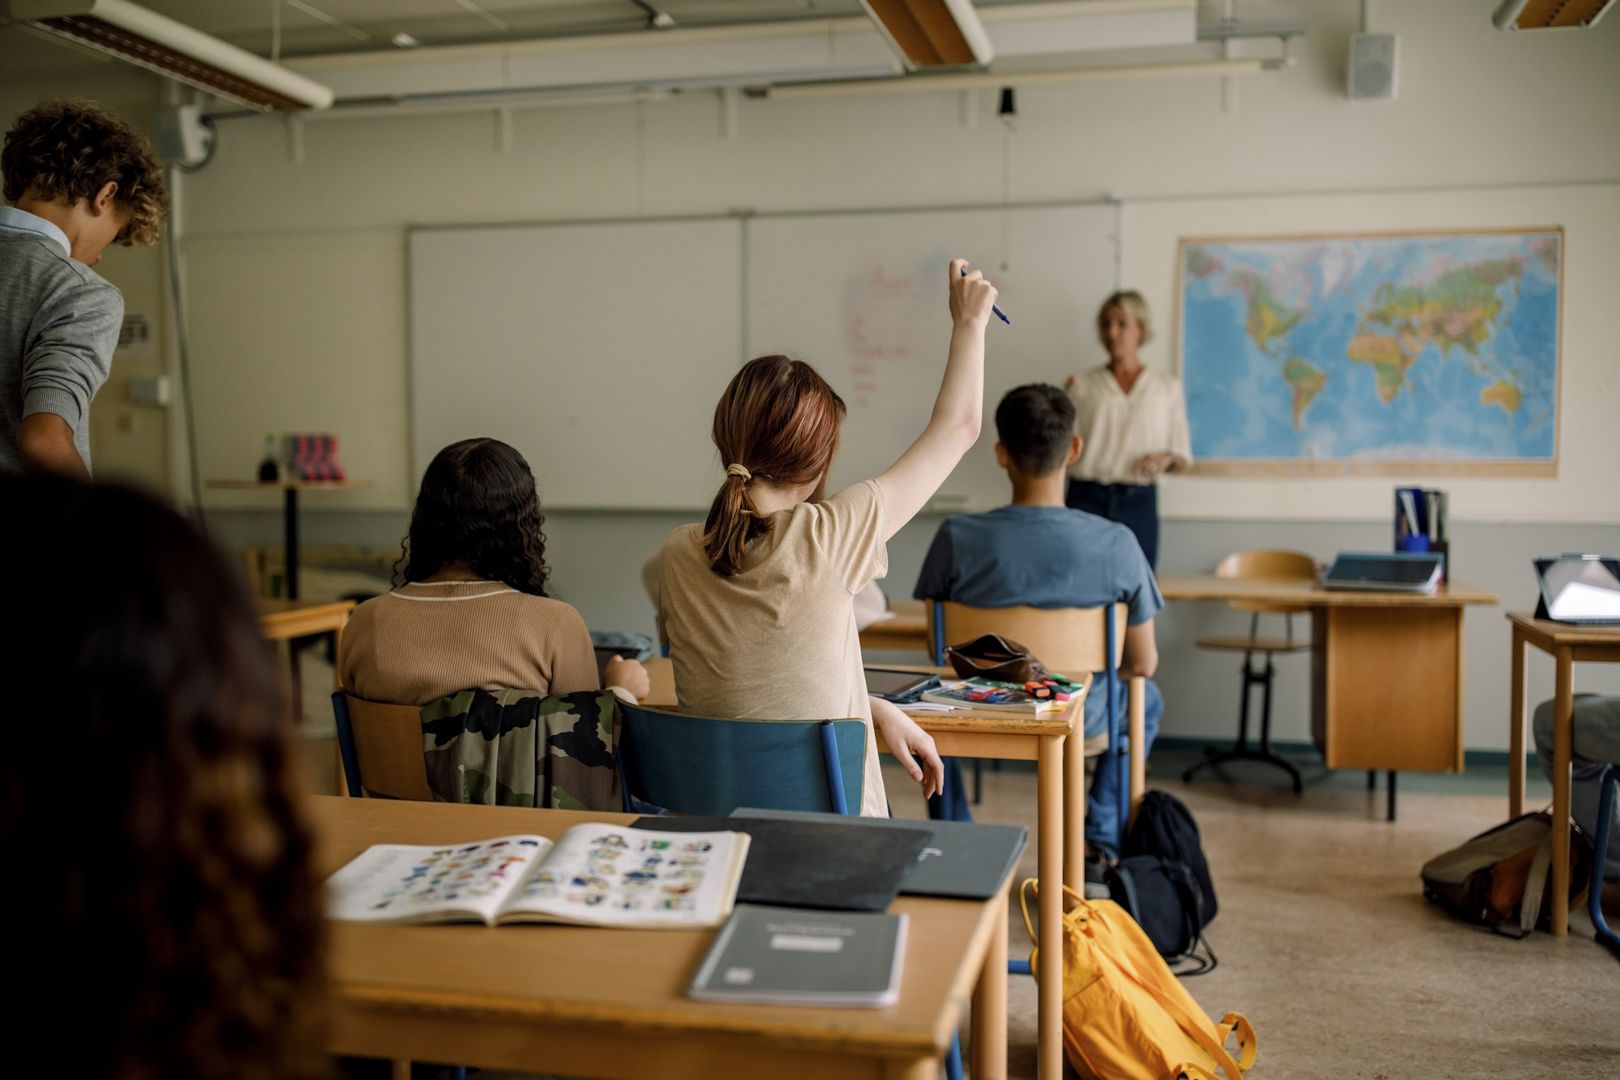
(1581, 589)
(898, 686)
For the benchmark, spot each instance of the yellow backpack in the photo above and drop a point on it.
(1125, 1016)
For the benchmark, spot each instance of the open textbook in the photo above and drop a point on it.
(603, 875)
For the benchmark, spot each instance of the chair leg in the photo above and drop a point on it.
(1605, 828)
(1372, 780)
(978, 781)
(953, 1060)
(1389, 814)
(1241, 750)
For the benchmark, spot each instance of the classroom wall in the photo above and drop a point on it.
(302, 233)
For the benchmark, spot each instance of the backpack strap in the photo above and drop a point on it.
(1535, 883)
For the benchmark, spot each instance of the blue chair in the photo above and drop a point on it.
(708, 767)
(669, 761)
(1605, 828)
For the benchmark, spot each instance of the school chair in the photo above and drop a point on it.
(1273, 566)
(698, 765)
(1076, 642)
(381, 748)
(670, 761)
(1605, 828)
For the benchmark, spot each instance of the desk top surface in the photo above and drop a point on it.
(601, 980)
(1309, 594)
(1545, 631)
(283, 485)
(661, 674)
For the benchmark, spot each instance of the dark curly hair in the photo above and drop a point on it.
(477, 506)
(162, 898)
(66, 150)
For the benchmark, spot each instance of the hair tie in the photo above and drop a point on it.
(739, 470)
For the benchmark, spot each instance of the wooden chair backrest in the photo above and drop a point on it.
(388, 746)
(1269, 565)
(1070, 641)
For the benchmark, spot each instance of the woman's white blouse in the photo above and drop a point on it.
(1119, 428)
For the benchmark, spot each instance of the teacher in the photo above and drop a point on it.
(1132, 423)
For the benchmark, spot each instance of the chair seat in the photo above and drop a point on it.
(1097, 745)
(1258, 643)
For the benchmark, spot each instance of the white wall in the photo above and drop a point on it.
(1477, 108)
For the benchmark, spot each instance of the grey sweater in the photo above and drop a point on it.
(59, 324)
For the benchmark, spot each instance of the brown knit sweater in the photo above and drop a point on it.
(429, 639)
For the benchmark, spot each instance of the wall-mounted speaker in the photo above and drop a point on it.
(1371, 74)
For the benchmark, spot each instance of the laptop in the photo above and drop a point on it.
(1384, 572)
(1580, 589)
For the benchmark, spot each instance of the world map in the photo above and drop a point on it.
(1411, 348)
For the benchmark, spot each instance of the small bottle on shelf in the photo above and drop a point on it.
(270, 467)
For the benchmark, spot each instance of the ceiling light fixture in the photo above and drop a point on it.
(175, 50)
(1549, 14)
(932, 33)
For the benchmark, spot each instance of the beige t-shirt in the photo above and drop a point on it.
(777, 639)
(1118, 428)
(428, 639)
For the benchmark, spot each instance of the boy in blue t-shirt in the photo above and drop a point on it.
(1040, 553)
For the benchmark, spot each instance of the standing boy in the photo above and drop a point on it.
(76, 179)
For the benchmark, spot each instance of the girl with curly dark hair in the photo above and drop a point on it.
(164, 914)
(470, 609)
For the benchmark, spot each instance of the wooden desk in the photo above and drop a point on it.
(282, 620)
(289, 513)
(1567, 645)
(586, 1001)
(1060, 785)
(906, 630)
(1386, 669)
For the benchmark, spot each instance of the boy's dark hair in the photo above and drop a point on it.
(65, 151)
(1035, 423)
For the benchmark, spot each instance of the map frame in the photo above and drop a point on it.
(1361, 467)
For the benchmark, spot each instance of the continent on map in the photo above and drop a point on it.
(1268, 317)
(1200, 263)
(1504, 394)
(1306, 381)
(1390, 357)
(1455, 310)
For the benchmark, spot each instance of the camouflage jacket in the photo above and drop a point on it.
(522, 748)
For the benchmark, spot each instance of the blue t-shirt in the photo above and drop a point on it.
(1039, 556)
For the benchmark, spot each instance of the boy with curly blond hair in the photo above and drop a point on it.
(76, 180)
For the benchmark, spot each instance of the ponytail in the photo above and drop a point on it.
(731, 523)
(778, 420)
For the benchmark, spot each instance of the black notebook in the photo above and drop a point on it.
(961, 860)
(789, 956)
(812, 864)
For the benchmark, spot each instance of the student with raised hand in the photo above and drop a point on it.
(77, 180)
(471, 610)
(161, 895)
(758, 602)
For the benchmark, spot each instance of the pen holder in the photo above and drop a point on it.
(1415, 544)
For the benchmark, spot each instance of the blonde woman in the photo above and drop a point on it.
(1132, 423)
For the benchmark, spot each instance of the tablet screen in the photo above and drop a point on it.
(885, 683)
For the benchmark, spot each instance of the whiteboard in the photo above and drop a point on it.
(600, 349)
(597, 350)
(862, 297)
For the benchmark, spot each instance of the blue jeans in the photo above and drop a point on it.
(1102, 803)
(1135, 506)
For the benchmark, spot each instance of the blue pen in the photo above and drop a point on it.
(1002, 315)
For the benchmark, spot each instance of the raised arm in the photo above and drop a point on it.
(953, 428)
